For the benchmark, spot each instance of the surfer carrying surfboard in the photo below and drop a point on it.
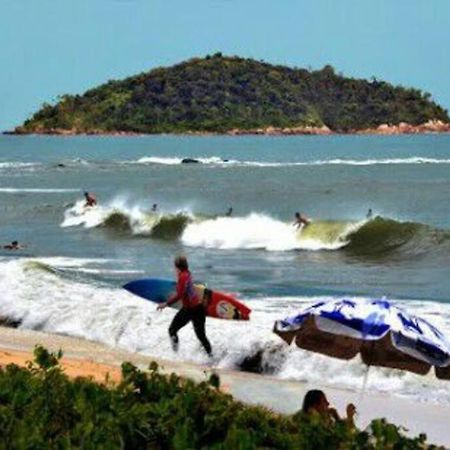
(192, 309)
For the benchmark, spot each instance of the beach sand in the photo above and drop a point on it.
(91, 359)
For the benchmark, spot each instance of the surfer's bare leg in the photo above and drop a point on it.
(182, 317)
(198, 320)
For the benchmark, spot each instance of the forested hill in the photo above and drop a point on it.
(219, 93)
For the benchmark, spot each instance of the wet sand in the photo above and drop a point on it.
(90, 359)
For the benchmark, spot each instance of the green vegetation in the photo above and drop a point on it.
(220, 93)
(40, 408)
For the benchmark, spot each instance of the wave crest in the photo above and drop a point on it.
(121, 218)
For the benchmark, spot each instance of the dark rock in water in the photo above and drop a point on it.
(190, 161)
(10, 323)
(60, 165)
(225, 160)
(267, 360)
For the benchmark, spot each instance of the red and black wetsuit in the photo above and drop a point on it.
(192, 310)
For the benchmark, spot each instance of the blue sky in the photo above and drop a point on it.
(53, 47)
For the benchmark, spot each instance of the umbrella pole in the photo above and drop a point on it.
(364, 383)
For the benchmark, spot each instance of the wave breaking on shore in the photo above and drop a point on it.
(42, 295)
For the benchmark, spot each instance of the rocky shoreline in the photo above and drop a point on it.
(432, 126)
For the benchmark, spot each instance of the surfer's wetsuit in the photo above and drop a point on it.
(192, 310)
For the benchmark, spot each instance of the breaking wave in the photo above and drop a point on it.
(218, 161)
(122, 218)
(36, 294)
(9, 190)
(375, 237)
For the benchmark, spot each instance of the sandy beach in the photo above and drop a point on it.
(90, 359)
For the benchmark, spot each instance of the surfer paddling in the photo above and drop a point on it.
(13, 246)
(192, 309)
(300, 220)
(90, 199)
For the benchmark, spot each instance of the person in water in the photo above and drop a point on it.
(90, 199)
(316, 404)
(300, 220)
(154, 207)
(229, 212)
(369, 214)
(192, 309)
(13, 246)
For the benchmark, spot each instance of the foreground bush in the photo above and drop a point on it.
(41, 408)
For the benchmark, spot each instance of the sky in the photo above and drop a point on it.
(54, 47)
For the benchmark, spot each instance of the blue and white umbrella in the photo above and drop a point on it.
(383, 334)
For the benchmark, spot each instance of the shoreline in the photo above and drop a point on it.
(403, 128)
(87, 358)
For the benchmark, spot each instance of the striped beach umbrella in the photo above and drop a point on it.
(381, 333)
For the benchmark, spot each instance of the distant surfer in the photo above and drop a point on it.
(229, 212)
(369, 214)
(301, 220)
(154, 207)
(90, 199)
(192, 309)
(13, 246)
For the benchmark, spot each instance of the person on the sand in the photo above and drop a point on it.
(192, 309)
(300, 220)
(316, 404)
(90, 199)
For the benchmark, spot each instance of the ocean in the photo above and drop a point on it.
(68, 278)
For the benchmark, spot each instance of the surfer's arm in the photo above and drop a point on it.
(181, 289)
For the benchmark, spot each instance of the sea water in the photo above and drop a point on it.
(68, 278)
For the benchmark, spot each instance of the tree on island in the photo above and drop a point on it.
(219, 93)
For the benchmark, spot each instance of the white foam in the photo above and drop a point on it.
(17, 165)
(36, 190)
(259, 231)
(217, 161)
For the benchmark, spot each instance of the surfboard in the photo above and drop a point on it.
(217, 304)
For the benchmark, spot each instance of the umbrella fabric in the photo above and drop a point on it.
(383, 334)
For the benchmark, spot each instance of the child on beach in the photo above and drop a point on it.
(192, 309)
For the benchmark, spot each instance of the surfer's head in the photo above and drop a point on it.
(181, 263)
(298, 215)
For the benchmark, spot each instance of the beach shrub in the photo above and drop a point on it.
(41, 408)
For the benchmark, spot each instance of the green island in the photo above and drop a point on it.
(219, 94)
(41, 408)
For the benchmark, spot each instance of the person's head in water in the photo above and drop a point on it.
(298, 215)
(230, 211)
(15, 243)
(154, 207)
(315, 400)
(86, 194)
(181, 263)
